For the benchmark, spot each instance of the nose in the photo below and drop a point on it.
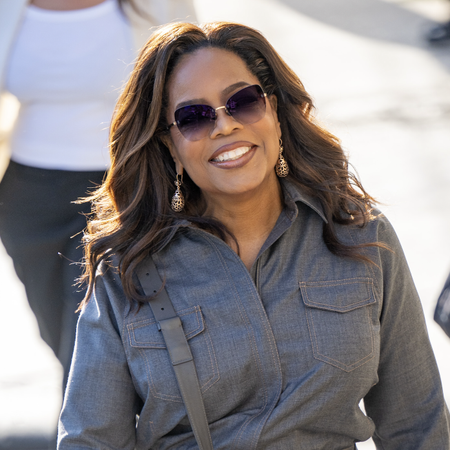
(224, 124)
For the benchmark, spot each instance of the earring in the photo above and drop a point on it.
(281, 168)
(178, 198)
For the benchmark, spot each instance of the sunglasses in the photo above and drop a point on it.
(197, 121)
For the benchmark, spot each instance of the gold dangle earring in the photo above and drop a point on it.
(178, 198)
(281, 168)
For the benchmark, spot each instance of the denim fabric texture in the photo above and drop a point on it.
(285, 353)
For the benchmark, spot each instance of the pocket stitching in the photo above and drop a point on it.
(334, 362)
(214, 374)
(149, 322)
(151, 384)
(312, 330)
(214, 367)
(350, 307)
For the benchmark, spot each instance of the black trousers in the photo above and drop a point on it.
(41, 229)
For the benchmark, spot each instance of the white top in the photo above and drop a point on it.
(67, 68)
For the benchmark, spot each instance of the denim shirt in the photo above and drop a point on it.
(284, 353)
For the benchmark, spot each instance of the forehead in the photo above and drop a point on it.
(207, 71)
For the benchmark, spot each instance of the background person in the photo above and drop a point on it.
(293, 292)
(65, 62)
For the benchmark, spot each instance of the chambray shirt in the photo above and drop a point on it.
(284, 353)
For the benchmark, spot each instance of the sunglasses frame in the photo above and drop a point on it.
(175, 123)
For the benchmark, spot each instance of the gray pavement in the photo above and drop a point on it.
(379, 88)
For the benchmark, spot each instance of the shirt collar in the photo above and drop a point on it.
(293, 193)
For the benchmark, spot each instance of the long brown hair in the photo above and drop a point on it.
(131, 210)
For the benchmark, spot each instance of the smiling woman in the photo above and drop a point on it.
(233, 165)
(293, 292)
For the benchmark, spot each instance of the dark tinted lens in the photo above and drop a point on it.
(248, 105)
(195, 121)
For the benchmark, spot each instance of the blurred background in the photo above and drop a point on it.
(378, 85)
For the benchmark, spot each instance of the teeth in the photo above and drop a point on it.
(233, 154)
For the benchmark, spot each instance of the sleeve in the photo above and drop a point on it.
(100, 403)
(407, 404)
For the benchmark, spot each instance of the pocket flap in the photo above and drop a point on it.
(338, 295)
(145, 333)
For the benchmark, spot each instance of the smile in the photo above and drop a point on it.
(232, 155)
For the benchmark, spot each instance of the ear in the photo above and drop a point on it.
(167, 141)
(274, 108)
(273, 102)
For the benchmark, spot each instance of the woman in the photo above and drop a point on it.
(294, 293)
(65, 62)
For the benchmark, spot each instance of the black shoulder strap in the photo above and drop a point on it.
(179, 351)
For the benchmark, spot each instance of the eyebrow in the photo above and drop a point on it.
(201, 101)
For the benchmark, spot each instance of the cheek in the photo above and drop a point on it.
(180, 149)
(190, 157)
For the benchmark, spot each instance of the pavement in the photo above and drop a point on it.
(382, 90)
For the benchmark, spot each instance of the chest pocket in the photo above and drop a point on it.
(145, 337)
(340, 321)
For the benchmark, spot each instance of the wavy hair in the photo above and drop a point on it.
(131, 210)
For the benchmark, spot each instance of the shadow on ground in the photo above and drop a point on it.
(28, 442)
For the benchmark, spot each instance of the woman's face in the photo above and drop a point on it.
(234, 160)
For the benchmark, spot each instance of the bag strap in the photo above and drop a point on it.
(179, 351)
